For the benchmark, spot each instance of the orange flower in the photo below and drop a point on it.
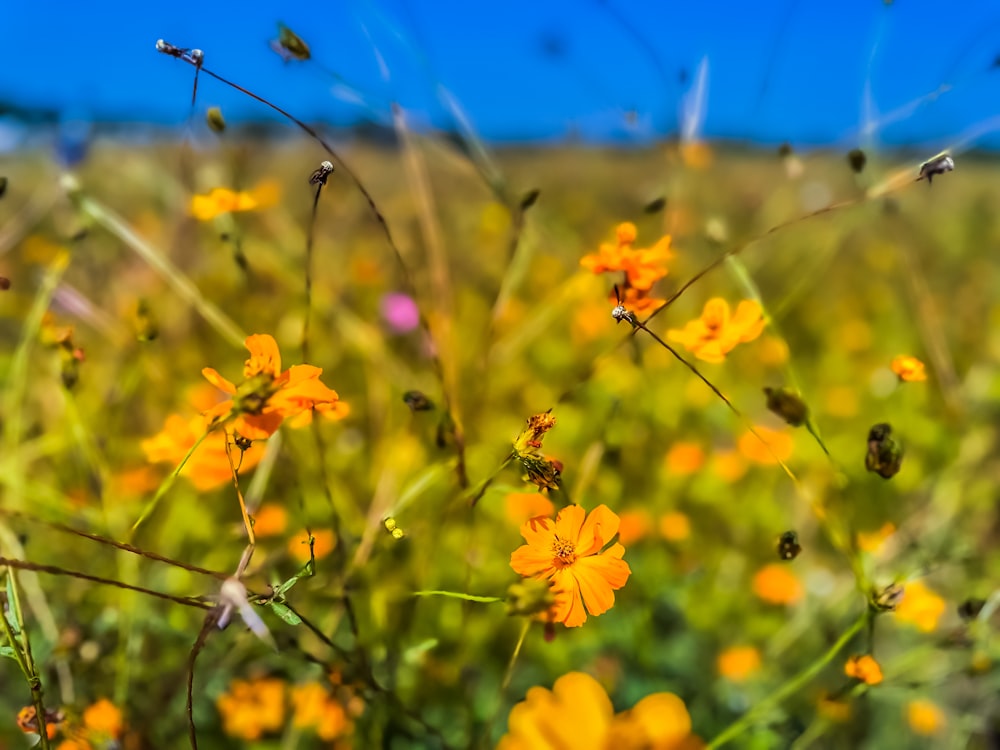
(522, 506)
(221, 201)
(324, 543)
(270, 520)
(920, 607)
(833, 709)
(872, 541)
(716, 333)
(567, 552)
(685, 458)
(251, 708)
(314, 707)
(738, 663)
(208, 467)
(776, 584)
(675, 526)
(634, 525)
(642, 267)
(779, 441)
(577, 713)
(924, 717)
(864, 668)
(104, 718)
(267, 396)
(909, 369)
(27, 721)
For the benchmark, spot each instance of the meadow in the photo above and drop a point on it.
(758, 569)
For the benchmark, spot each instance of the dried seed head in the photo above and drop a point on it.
(885, 454)
(788, 405)
(788, 546)
(857, 159)
(215, 120)
(937, 165)
(319, 176)
(417, 401)
(888, 598)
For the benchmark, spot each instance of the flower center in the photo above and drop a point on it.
(564, 550)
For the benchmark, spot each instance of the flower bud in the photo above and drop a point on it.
(885, 454)
(531, 596)
(788, 405)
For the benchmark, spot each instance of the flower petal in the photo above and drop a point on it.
(598, 576)
(599, 528)
(533, 562)
(213, 377)
(539, 532)
(569, 606)
(568, 523)
(264, 356)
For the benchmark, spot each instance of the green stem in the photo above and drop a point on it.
(794, 685)
(164, 486)
(459, 595)
(22, 653)
(477, 492)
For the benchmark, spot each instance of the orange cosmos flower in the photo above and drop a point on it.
(577, 713)
(776, 584)
(642, 266)
(779, 441)
(909, 369)
(314, 708)
(267, 396)
(738, 663)
(251, 708)
(716, 332)
(221, 201)
(208, 467)
(637, 301)
(104, 718)
(864, 668)
(567, 552)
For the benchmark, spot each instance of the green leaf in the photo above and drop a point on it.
(284, 613)
(8, 652)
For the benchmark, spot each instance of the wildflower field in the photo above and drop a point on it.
(435, 446)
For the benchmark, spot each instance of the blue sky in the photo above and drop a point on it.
(797, 70)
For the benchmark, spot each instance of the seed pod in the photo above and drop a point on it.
(788, 405)
(215, 120)
(857, 159)
(885, 454)
(788, 546)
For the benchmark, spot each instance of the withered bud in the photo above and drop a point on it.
(542, 472)
(888, 598)
(241, 442)
(655, 206)
(788, 546)
(319, 176)
(885, 454)
(215, 120)
(289, 45)
(417, 401)
(937, 165)
(146, 328)
(785, 150)
(788, 405)
(531, 596)
(970, 609)
(528, 199)
(857, 159)
(4, 283)
(3, 185)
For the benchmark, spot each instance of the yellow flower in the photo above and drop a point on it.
(267, 396)
(920, 607)
(716, 333)
(221, 201)
(642, 267)
(578, 714)
(567, 551)
(738, 663)
(251, 708)
(685, 458)
(832, 709)
(776, 584)
(924, 717)
(909, 369)
(633, 526)
(271, 520)
(864, 668)
(208, 467)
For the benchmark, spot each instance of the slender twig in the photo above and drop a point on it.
(310, 239)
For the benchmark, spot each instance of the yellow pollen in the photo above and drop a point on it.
(564, 550)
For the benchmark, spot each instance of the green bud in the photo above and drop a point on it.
(215, 120)
(788, 405)
(531, 596)
(888, 598)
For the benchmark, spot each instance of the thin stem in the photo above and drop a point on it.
(794, 685)
(164, 486)
(717, 392)
(459, 595)
(310, 237)
(21, 646)
(505, 682)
